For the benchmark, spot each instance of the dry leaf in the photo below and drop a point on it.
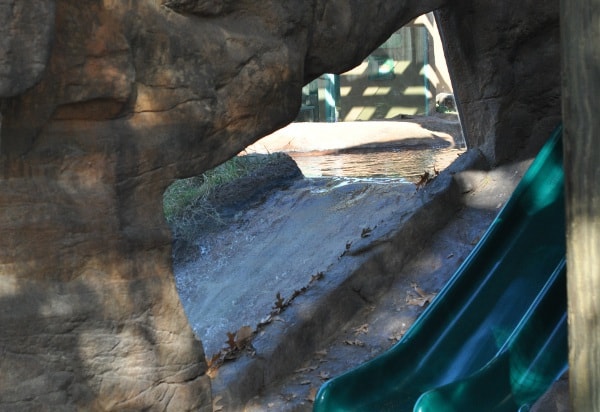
(316, 277)
(230, 340)
(266, 320)
(362, 329)
(416, 301)
(306, 382)
(279, 303)
(420, 291)
(213, 360)
(366, 232)
(214, 364)
(312, 394)
(307, 369)
(324, 376)
(424, 179)
(421, 300)
(355, 342)
(243, 336)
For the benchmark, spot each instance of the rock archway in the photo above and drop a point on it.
(104, 103)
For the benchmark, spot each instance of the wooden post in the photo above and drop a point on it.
(580, 37)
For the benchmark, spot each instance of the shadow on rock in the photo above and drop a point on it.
(276, 172)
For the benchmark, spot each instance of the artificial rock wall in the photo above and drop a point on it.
(103, 104)
(504, 61)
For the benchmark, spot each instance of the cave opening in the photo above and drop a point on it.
(266, 227)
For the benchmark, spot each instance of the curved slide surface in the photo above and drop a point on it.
(495, 338)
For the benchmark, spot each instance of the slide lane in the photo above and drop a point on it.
(483, 317)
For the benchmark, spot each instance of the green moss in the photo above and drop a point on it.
(186, 202)
(181, 194)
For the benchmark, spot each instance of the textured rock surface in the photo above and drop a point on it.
(26, 28)
(504, 60)
(106, 102)
(115, 102)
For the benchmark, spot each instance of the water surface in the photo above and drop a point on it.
(408, 164)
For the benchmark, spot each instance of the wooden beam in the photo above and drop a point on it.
(580, 37)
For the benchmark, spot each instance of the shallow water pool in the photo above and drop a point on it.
(408, 164)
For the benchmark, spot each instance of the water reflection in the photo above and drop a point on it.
(404, 163)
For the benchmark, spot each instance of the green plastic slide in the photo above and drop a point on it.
(495, 338)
